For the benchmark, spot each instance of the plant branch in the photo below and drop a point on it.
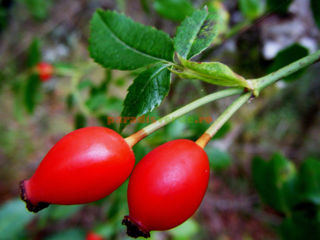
(222, 119)
(136, 137)
(271, 78)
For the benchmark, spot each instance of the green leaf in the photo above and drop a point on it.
(13, 218)
(218, 159)
(315, 8)
(175, 10)
(104, 104)
(34, 54)
(118, 42)
(196, 33)
(287, 56)
(273, 180)
(32, 92)
(212, 72)
(278, 6)
(251, 9)
(309, 181)
(147, 92)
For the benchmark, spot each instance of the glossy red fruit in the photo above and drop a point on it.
(45, 71)
(166, 187)
(84, 166)
(93, 236)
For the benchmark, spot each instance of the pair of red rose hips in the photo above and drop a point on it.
(165, 188)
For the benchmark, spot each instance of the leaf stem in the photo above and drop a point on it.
(222, 119)
(136, 137)
(271, 78)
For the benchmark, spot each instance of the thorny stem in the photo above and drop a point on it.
(136, 137)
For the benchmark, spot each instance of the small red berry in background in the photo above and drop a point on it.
(93, 236)
(166, 187)
(45, 71)
(84, 166)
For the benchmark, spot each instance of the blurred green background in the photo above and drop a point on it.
(248, 197)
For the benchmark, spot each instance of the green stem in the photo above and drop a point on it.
(136, 137)
(222, 119)
(271, 78)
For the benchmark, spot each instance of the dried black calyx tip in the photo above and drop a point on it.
(31, 207)
(133, 229)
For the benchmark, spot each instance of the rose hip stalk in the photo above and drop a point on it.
(168, 184)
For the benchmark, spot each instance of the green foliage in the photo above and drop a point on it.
(287, 56)
(118, 42)
(271, 178)
(147, 92)
(13, 219)
(175, 10)
(218, 159)
(212, 72)
(74, 233)
(32, 92)
(222, 15)
(80, 120)
(279, 6)
(309, 181)
(315, 8)
(251, 9)
(185, 231)
(34, 54)
(39, 9)
(196, 33)
(297, 194)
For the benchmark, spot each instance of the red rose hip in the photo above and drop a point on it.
(84, 166)
(45, 71)
(166, 187)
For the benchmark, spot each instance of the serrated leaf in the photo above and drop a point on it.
(287, 56)
(315, 8)
(118, 42)
(251, 9)
(147, 92)
(32, 92)
(175, 10)
(34, 55)
(212, 72)
(196, 33)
